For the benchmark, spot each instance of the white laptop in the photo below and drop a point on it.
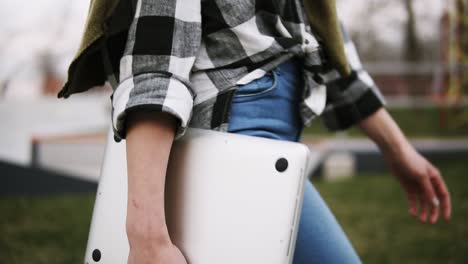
(230, 199)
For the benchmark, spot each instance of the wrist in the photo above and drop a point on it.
(394, 147)
(143, 233)
(384, 131)
(401, 156)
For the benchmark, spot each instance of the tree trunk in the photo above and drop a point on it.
(413, 51)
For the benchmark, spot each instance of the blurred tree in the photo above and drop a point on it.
(402, 30)
(458, 59)
(412, 46)
(368, 34)
(454, 60)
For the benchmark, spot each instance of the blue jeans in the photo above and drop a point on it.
(268, 107)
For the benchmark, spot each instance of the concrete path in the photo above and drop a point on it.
(360, 145)
(88, 153)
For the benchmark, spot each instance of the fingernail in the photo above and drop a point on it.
(435, 202)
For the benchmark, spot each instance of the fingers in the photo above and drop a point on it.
(424, 210)
(442, 193)
(435, 211)
(414, 199)
(434, 197)
(428, 201)
(413, 203)
(417, 198)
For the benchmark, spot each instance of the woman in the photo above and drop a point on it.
(239, 66)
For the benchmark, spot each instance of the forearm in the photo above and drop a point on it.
(149, 140)
(382, 129)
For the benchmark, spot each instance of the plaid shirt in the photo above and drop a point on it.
(187, 58)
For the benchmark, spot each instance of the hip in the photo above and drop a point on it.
(269, 106)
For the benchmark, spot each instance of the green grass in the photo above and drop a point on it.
(373, 212)
(418, 122)
(44, 229)
(371, 208)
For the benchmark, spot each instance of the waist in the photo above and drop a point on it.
(291, 66)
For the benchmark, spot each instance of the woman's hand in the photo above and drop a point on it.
(422, 182)
(424, 186)
(161, 254)
(149, 240)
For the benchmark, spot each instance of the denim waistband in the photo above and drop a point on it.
(292, 65)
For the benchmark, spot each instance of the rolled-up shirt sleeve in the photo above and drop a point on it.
(351, 98)
(162, 44)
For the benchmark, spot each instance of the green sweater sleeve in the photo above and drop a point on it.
(324, 22)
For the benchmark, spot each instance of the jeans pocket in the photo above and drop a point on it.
(257, 88)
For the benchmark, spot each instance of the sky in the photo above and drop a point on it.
(42, 22)
(353, 14)
(28, 33)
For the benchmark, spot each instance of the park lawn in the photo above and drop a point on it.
(416, 123)
(45, 229)
(371, 208)
(373, 212)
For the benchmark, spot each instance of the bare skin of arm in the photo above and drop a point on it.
(148, 142)
(422, 181)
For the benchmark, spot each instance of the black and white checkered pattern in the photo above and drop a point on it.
(187, 57)
(352, 98)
